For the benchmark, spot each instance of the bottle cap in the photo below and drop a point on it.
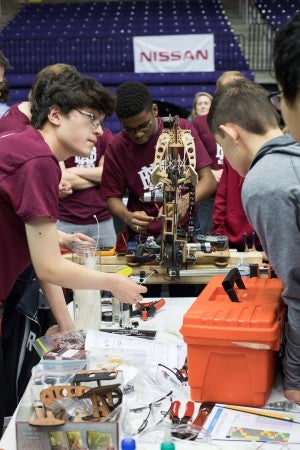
(167, 446)
(167, 443)
(128, 443)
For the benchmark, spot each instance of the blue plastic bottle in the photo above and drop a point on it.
(128, 443)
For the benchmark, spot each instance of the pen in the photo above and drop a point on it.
(277, 416)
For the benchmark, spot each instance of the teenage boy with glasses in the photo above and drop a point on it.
(29, 185)
(129, 161)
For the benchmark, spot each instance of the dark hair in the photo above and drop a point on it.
(132, 98)
(4, 91)
(244, 103)
(4, 61)
(48, 74)
(286, 55)
(68, 91)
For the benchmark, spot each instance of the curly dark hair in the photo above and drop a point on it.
(58, 71)
(132, 98)
(68, 90)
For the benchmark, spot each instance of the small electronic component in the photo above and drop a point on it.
(131, 247)
(218, 241)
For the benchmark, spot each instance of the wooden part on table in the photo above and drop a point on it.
(49, 395)
(104, 399)
(44, 418)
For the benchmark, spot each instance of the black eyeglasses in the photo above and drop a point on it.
(275, 99)
(141, 129)
(150, 407)
(92, 118)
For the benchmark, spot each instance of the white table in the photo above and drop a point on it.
(168, 321)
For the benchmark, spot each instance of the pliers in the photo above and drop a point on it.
(147, 310)
(181, 432)
(174, 412)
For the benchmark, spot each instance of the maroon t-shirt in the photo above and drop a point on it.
(128, 166)
(82, 205)
(229, 217)
(29, 179)
(13, 119)
(213, 149)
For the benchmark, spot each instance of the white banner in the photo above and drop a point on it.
(174, 53)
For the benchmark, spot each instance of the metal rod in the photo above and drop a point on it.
(203, 272)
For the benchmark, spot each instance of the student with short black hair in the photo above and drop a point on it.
(129, 161)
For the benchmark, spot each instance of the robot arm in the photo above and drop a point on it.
(174, 169)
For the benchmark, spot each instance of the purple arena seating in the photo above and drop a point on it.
(97, 39)
(276, 13)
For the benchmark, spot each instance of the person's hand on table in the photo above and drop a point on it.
(126, 290)
(56, 331)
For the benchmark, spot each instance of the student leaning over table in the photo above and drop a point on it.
(129, 161)
(19, 115)
(257, 148)
(80, 200)
(17, 327)
(29, 182)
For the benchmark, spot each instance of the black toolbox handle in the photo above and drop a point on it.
(232, 277)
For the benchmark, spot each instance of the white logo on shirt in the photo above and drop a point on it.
(30, 340)
(87, 162)
(219, 154)
(144, 174)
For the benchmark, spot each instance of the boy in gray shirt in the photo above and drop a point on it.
(246, 125)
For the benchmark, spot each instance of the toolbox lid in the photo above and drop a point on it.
(256, 316)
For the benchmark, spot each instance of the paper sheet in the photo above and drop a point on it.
(171, 354)
(225, 424)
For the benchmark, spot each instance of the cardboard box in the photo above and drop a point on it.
(232, 344)
(89, 435)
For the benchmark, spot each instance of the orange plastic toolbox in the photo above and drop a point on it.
(233, 333)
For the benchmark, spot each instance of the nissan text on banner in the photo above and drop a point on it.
(174, 53)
